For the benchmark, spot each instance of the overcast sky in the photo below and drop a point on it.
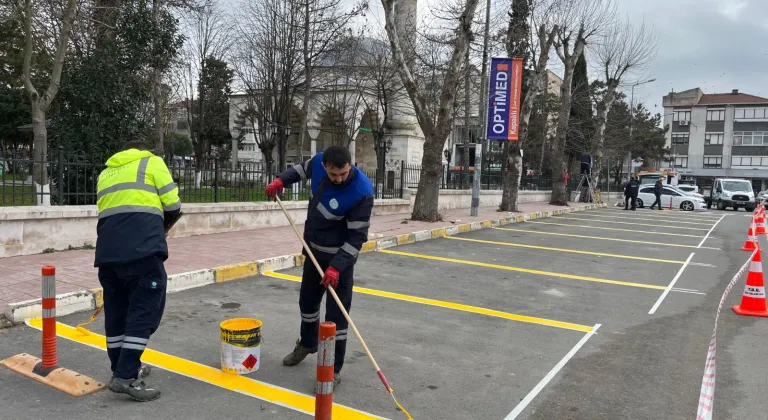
(717, 45)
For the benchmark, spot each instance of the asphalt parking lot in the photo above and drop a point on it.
(604, 314)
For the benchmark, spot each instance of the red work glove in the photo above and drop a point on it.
(275, 187)
(331, 277)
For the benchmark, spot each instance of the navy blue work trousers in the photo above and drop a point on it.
(310, 298)
(134, 301)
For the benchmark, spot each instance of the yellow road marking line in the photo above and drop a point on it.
(525, 270)
(452, 305)
(620, 230)
(574, 251)
(241, 384)
(631, 223)
(570, 235)
(640, 218)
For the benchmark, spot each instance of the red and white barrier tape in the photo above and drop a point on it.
(707, 395)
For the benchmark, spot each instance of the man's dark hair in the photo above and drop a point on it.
(135, 144)
(337, 156)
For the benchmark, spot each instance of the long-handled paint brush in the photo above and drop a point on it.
(81, 327)
(344, 311)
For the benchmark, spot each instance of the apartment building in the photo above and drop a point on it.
(717, 135)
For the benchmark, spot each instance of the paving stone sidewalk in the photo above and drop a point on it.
(20, 276)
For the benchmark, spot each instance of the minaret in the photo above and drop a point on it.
(407, 137)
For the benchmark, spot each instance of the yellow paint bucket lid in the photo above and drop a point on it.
(241, 330)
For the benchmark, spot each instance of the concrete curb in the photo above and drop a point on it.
(89, 300)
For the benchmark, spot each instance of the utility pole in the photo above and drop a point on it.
(483, 112)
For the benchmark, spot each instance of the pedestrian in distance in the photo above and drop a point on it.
(138, 203)
(630, 193)
(658, 188)
(338, 218)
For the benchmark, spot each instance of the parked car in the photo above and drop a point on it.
(688, 188)
(762, 197)
(732, 192)
(680, 199)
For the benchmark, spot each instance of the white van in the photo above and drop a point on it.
(733, 192)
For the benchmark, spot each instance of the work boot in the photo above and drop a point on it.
(298, 354)
(144, 371)
(135, 388)
(336, 380)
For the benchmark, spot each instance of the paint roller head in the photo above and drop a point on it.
(82, 331)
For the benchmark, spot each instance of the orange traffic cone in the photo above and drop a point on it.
(760, 222)
(749, 244)
(753, 300)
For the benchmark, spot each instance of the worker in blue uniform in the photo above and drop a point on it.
(338, 218)
(138, 203)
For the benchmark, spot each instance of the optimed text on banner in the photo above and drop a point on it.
(504, 89)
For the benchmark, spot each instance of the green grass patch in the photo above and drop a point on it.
(19, 195)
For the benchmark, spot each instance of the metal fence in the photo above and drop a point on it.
(72, 181)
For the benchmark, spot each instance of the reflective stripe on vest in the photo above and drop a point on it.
(130, 193)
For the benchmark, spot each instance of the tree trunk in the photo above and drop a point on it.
(465, 169)
(426, 206)
(40, 156)
(512, 156)
(511, 176)
(307, 80)
(157, 91)
(603, 108)
(559, 193)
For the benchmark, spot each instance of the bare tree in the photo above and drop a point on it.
(161, 65)
(268, 64)
(324, 23)
(41, 103)
(436, 130)
(580, 22)
(208, 35)
(624, 51)
(536, 45)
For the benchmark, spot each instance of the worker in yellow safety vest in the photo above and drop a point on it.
(138, 203)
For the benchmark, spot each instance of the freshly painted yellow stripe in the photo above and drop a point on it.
(236, 271)
(525, 270)
(631, 223)
(596, 237)
(650, 219)
(451, 305)
(263, 391)
(574, 251)
(620, 230)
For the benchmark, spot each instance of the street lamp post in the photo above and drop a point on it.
(631, 123)
(382, 146)
(281, 132)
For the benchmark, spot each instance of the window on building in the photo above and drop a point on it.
(681, 116)
(680, 138)
(715, 115)
(182, 125)
(750, 138)
(750, 113)
(749, 161)
(681, 162)
(713, 161)
(713, 138)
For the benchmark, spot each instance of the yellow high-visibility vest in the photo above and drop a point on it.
(136, 181)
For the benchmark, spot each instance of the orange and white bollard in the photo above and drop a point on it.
(326, 356)
(50, 359)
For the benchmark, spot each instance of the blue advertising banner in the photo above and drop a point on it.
(505, 84)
